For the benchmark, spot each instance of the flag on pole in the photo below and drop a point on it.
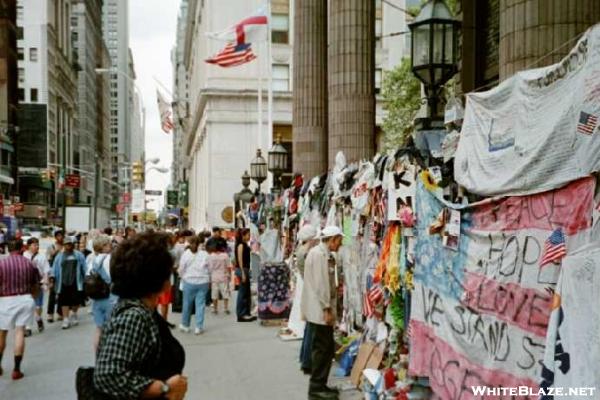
(249, 30)
(233, 55)
(555, 248)
(164, 108)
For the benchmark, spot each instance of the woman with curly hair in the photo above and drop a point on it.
(138, 357)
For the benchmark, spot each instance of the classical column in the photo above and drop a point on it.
(352, 79)
(531, 29)
(310, 87)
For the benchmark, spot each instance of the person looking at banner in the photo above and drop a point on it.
(242, 271)
(40, 262)
(319, 305)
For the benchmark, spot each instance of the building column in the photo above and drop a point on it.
(352, 79)
(310, 88)
(531, 29)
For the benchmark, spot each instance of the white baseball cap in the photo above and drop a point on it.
(307, 232)
(331, 231)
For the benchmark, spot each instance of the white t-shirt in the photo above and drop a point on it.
(40, 262)
(193, 267)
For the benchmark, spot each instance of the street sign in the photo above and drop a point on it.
(172, 197)
(137, 200)
(72, 181)
(153, 192)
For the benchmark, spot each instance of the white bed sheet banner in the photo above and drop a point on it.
(537, 130)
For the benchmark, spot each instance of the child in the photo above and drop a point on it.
(220, 269)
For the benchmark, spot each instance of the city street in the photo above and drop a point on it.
(230, 361)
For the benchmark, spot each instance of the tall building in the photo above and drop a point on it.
(179, 171)
(222, 133)
(137, 113)
(116, 37)
(93, 121)
(9, 99)
(48, 107)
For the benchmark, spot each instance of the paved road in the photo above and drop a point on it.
(230, 361)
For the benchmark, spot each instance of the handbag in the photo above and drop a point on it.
(94, 286)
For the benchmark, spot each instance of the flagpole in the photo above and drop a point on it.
(260, 140)
(270, 83)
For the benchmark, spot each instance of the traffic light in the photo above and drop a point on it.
(137, 172)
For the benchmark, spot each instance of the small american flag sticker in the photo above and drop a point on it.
(587, 123)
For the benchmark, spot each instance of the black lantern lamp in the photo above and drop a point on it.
(258, 169)
(278, 161)
(434, 43)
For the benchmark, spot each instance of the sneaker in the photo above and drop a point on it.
(74, 320)
(40, 325)
(65, 324)
(16, 375)
(50, 320)
(184, 329)
(198, 331)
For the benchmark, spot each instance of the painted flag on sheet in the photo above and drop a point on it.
(555, 248)
(233, 55)
(164, 108)
(587, 123)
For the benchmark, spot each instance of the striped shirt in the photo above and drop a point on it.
(18, 276)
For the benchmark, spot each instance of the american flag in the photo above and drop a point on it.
(368, 309)
(555, 248)
(233, 55)
(164, 109)
(587, 123)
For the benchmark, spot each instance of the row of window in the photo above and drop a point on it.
(281, 78)
(33, 95)
(33, 54)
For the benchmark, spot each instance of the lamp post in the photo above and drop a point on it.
(278, 161)
(434, 42)
(258, 169)
(243, 197)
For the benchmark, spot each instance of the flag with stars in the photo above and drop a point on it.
(555, 248)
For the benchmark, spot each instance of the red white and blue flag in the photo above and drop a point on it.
(233, 55)
(555, 248)
(249, 30)
(587, 123)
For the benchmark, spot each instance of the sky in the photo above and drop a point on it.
(152, 34)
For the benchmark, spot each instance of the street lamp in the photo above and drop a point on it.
(278, 161)
(258, 169)
(434, 42)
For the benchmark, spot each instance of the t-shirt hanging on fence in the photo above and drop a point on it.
(573, 340)
(536, 131)
(479, 313)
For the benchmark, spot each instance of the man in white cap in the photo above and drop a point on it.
(319, 308)
(307, 239)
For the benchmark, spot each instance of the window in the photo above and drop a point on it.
(19, 32)
(19, 12)
(20, 54)
(21, 75)
(33, 95)
(281, 77)
(33, 54)
(280, 27)
(21, 94)
(378, 27)
(378, 78)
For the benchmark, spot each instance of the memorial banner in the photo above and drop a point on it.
(480, 308)
(573, 339)
(536, 131)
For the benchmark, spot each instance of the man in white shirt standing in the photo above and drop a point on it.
(319, 304)
(40, 262)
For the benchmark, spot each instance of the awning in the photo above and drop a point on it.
(6, 179)
(7, 146)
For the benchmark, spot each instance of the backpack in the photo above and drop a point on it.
(94, 286)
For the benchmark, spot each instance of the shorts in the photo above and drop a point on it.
(222, 288)
(39, 301)
(69, 296)
(16, 311)
(101, 310)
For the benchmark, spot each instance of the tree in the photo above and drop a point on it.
(402, 98)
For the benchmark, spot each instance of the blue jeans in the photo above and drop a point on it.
(194, 294)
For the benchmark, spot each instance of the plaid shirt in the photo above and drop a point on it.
(129, 348)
